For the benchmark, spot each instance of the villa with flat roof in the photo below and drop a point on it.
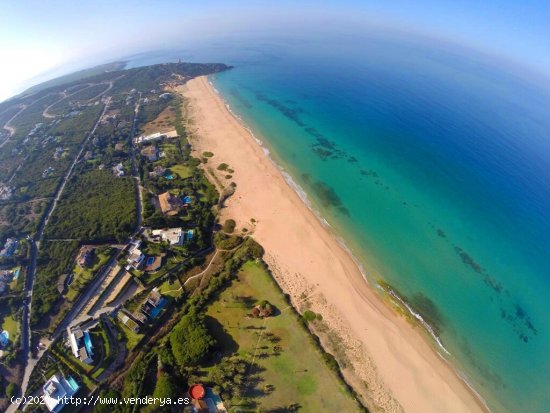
(154, 304)
(135, 257)
(174, 236)
(56, 389)
(155, 136)
(81, 345)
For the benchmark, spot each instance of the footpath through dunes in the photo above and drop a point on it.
(389, 355)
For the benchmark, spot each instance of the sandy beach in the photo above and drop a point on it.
(393, 358)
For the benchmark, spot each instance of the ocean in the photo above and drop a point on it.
(432, 163)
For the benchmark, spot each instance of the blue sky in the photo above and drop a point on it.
(53, 37)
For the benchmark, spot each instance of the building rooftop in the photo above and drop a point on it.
(175, 236)
(168, 203)
(55, 389)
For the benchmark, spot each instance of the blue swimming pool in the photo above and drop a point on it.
(169, 177)
(4, 338)
(72, 382)
(155, 311)
(88, 343)
(150, 261)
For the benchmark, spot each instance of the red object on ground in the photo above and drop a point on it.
(197, 391)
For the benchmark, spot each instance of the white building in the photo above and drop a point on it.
(155, 136)
(135, 256)
(118, 170)
(56, 389)
(175, 236)
(81, 345)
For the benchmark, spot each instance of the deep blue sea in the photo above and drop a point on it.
(432, 162)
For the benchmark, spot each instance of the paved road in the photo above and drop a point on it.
(46, 114)
(9, 128)
(135, 172)
(31, 362)
(64, 96)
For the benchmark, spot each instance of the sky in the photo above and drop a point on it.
(41, 40)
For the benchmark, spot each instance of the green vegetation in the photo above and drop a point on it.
(76, 76)
(166, 387)
(229, 226)
(12, 390)
(289, 368)
(230, 327)
(81, 96)
(10, 318)
(103, 353)
(182, 171)
(226, 242)
(131, 338)
(309, 315)
(83, 276)
(95, 206)
(55, 259)
(190, 340)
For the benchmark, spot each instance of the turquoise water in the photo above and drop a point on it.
(72, 382)
(434, 166)
(88, 343)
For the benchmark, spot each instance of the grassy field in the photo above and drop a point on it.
(103, 354)
(172, 290)
(131, 338)
(11, 325)
(283, 350)
(17, 284)
(182, 171)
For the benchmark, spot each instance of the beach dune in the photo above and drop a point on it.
(389, 354)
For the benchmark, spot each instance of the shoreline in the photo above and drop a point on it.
(401, 368)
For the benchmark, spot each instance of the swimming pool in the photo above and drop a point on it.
(155, 311)
(150, 261)
(4, 338)
(72, 382)
(169, 177)
(88, 343)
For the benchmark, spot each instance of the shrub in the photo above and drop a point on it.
(190, 340)
(229, 225)
(227, 242)
(207, 154)
(166, 386)
(223, 166)
(309, 315)
(12, 390)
